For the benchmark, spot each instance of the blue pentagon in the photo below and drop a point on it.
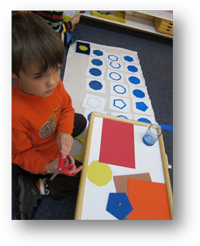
(95, 85)
(144, 120)
(128, 58)
(132, 68)
(98, 52)
(141, 106)
(119, 205)
(95, 71)
(97, 62)
(138, 93)
(134, 80)
(119, 103)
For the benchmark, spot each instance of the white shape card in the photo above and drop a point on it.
(133, 69)
(115, 76)
(144, 118)
(137, 80)
(122, 115)
(95, 72)
(142, 107)
(130, 58)
(113, 57)
(95, 85)
(120, 104)
(98, 52)
(119, 89)
(139, 92)
(94, 103)
(97, 62)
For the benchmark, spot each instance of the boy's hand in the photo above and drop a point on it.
(74, 169)
(65, 142)
(75, 19)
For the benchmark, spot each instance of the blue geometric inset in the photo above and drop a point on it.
(113, 74)
(128, 58)
(119, 205)
(115, 65)
(95, 85)
(144, 120)
(88, 117)
(97, 62)
(132, 68)
(122, 116)
(98, 52)
(141, 106)
(95, 71)
(119, 103)
(134, 80)
(120, 90)
(113, 58)
(138, 93)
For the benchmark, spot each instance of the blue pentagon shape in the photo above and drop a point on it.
(97, 62)
(141, 106)
(119, 103)
(128, 58)
(138, 93)
(119, 205)
(98, 52)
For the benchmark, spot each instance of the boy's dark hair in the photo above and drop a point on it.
(34, 41)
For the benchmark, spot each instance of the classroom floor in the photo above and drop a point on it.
(156, 59)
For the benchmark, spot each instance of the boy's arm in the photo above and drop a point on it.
(24, 155)
(66, 121)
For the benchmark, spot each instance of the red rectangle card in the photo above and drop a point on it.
(117, 143)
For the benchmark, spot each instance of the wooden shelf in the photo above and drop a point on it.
(142, 24)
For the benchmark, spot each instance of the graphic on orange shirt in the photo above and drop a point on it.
(48, 128)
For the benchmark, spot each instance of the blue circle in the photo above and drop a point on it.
(95, 71)
(110, 74)
(113, 58)
(134, 80)
(95, 85)
(132, 68)
(111, 64)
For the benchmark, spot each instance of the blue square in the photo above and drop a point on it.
(119, 205)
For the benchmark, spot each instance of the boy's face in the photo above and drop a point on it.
(34, 83)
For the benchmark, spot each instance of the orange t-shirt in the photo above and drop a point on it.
(35, 123)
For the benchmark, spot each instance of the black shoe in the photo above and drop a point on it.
(29, 196)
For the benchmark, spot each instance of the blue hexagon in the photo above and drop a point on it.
(119, 103)
(97, 62)
(141, 106)
(128, 58)
(119, 205)
(138, 93)
(98, 52)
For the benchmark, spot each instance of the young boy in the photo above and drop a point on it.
(43, 119)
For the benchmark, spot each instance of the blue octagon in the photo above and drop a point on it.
(97, 62)
(121, 87)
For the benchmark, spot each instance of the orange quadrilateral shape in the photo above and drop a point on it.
(148, 199)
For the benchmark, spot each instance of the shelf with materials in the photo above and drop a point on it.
(142, 21)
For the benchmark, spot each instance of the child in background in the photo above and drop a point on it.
(43, 119)
(55, 20)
